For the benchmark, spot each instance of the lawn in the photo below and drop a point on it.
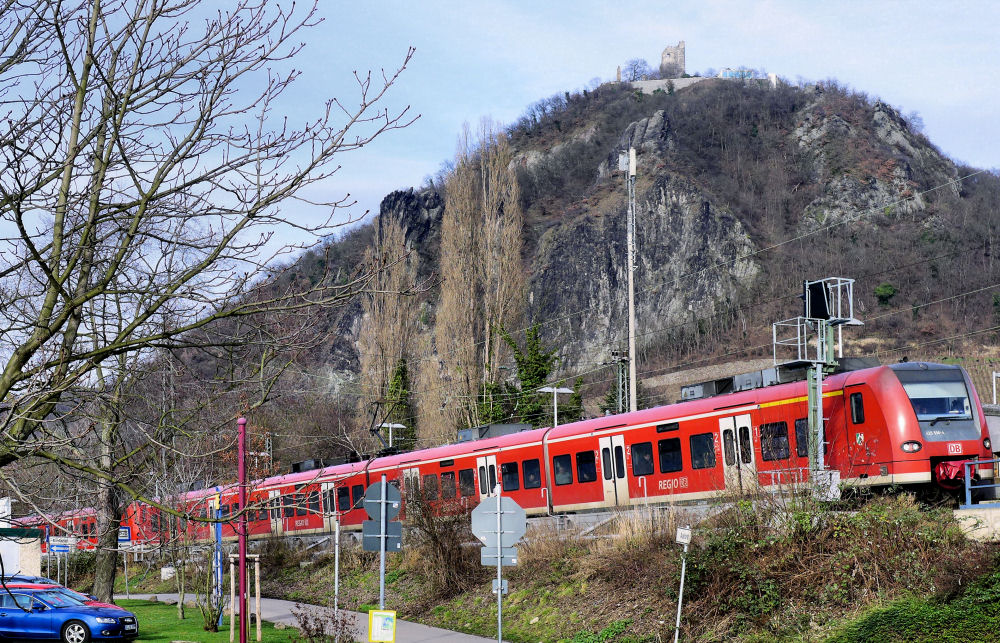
(158, 622)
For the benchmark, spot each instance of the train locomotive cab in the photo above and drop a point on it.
(941, 426)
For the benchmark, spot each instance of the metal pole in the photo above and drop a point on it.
(381, 550)
(995, 386)
(499, 570)
(336, 572)
(241, 425)
(632, 377)
(555, 406)
(126, 575)
(680, 596)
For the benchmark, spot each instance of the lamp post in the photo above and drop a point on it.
(391, 426)
(555, 397)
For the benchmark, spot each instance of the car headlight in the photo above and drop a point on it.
(106, 620)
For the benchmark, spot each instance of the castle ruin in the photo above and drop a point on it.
(672, 62)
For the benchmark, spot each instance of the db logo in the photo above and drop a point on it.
(954, 448)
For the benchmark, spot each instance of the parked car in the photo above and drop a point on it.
(86, 599)
(52, 614)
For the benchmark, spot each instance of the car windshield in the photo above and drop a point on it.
(58, 598)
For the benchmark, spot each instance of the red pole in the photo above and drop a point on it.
(241, 448)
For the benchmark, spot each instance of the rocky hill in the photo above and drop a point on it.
(743, 191)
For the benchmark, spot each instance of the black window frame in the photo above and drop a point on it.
(774, 437)
(509, 473)
(702, 446)
(358, 493)
(586, 466)
(536, 469)
(431, 486)
(667, 427)
(802, 437)
(857, 408)
(467, 482)
(661, 452)
(729, 446)
(448, 490)
(566, 462)
(637, 450)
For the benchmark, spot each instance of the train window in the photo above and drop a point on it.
(642, 459)
(702, 451)
(606, 463)
(358, 491)
(343, 499)
(746, 448)
(802, 437)
(562, 469)
(619, 462)
(586, 466)
(448, 485)
(670, 455)
(729, 447)
(774, 441)
(467, 482)
(508, 476)
(431, 486)
(493, 477)
(669, 426)
(483, 481)
(857, 409)
(301, 507)
(314, 502)
(532, 473)
(289, 504)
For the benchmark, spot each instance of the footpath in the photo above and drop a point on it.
(279, 611)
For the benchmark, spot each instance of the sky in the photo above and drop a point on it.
(494, 59)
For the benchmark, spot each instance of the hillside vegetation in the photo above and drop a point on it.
(743, 191)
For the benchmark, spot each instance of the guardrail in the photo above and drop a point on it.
(970, 484)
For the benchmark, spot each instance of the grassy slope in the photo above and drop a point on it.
(888, 570)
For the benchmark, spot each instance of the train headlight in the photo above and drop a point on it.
(911, 446)
(987, 444)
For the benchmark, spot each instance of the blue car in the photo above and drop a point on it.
(42, 614)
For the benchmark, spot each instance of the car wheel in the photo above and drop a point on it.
(75, 632)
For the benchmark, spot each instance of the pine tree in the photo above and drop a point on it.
(534, 363)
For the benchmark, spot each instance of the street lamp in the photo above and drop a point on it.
(391, 426)
(555, 404)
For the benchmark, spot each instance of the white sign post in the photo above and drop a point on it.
(125, 538)
(683, 538)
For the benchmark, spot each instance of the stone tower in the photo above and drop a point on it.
(672, 61)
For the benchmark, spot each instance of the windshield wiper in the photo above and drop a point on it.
(944, 417)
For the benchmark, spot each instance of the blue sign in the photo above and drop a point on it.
(124, 534)
(60, 549)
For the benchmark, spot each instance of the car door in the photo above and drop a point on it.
(18, 619)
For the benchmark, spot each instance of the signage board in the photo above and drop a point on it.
(513, 522)
(67, 541)
(382, 626)
(124, 534)
(683, 535)
(59, 549)
(371, 532)
(373, 501)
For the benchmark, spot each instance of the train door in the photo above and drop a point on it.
(613, 469)
(411, 480)
(737, 452)
(275, 509)
(328, 495)
(487, 469)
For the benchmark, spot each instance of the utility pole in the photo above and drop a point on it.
(632, 379)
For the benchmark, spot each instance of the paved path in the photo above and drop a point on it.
(279, 611)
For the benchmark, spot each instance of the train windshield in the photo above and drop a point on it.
(937, 394)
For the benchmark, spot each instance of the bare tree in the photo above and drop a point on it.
(143, 169)
(481, 272)
(635, 69)
(146, 176)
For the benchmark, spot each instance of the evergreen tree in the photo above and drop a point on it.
(534, 363)
(401, 411)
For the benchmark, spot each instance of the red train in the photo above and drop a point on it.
(907, 424)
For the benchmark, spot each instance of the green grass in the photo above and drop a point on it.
(158, 622)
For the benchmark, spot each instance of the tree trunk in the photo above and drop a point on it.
(109, 515)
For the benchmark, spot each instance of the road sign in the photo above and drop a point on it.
(370, 534)
(59, 549)
(382, 626)
(373, 498)
(124, 534)
(684, 535)
(513, 522)
(488, 556)
(66, 541)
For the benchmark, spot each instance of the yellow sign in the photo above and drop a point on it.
(382, 626)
